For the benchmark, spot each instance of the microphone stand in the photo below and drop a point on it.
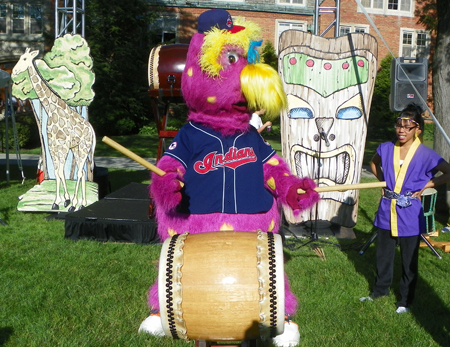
(314, 236)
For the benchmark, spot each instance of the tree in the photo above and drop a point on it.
(381, 119)
(118, 34)
(435, 15)
(441, 78)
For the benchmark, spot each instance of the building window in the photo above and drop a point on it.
(283, 26)
(18, 19)
(288, 25)
(372, 4)
(21, 19)
(414, 43)
(35, 19)
(347, 29)
(291, 2)
(389, 7)
(165, 28)
(2, 18)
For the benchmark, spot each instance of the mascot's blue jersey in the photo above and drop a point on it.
(223, 174)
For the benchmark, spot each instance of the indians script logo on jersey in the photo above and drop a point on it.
(232, 159)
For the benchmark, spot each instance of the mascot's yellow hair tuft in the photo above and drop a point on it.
(216, 39)
(263, 89)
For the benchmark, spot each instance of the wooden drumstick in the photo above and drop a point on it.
(344, 187)
(135, 157)
(160, 172)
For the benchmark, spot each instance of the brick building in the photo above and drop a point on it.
(30, 23)
(394, 19)
(24, 23)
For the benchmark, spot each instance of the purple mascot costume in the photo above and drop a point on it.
(232, 179)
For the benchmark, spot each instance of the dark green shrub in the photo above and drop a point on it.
(149, 130)
(27, 132)
(382, 119)
(269, 55)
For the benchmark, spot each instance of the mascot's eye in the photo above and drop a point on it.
(232, 57)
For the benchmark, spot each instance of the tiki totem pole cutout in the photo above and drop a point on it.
(329, 84)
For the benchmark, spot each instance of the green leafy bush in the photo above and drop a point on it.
(148, 130)
(269, 56)
(27, 132)
(381, 121)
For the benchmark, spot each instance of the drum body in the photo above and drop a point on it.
(222, 286)
(165, 67)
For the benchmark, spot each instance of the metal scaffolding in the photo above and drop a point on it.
(330, 9)
(69, 17)
(9, 114)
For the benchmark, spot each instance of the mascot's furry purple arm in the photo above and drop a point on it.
(233, 180)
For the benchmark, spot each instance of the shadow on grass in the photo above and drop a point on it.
(5, 334)
(428, 304)
(429, 310)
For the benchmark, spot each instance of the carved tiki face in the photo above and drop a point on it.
(329, 85)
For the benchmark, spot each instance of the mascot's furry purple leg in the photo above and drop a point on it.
(233, 180)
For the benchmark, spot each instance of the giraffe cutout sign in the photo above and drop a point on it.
(60, 88)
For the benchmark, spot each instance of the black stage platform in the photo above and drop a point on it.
(122, 216)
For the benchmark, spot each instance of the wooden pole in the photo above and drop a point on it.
(133, 156)
(160, 172)
(344, 187)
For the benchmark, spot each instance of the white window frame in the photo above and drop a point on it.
(293, 24)
(22, 19)
(27, 34)
(163, 17)
(384, 10)
(414, 34)
(354, 27)
(5, 17)
(30, 19)
(292, 2)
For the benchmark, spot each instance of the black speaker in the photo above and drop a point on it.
(406, 73)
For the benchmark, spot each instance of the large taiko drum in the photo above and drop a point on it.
(165, 66)
(222, 286)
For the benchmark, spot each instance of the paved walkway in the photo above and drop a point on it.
(114, 162)
(109, 162)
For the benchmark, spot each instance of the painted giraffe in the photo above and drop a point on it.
(67, 131)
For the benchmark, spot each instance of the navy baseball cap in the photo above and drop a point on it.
(216, 18)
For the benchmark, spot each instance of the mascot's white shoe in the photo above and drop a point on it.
(152, 325)
(290, 337)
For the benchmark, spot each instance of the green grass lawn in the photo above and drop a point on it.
(58, 292)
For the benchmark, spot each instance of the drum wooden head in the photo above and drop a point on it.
(165, 67)
(222, 286)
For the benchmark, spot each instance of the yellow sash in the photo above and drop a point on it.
(399, 174)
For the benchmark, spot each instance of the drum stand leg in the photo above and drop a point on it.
(374, 236)
(368, 243)
(430, 246)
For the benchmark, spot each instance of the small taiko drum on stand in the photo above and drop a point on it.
(165, 67)
(222, 286)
